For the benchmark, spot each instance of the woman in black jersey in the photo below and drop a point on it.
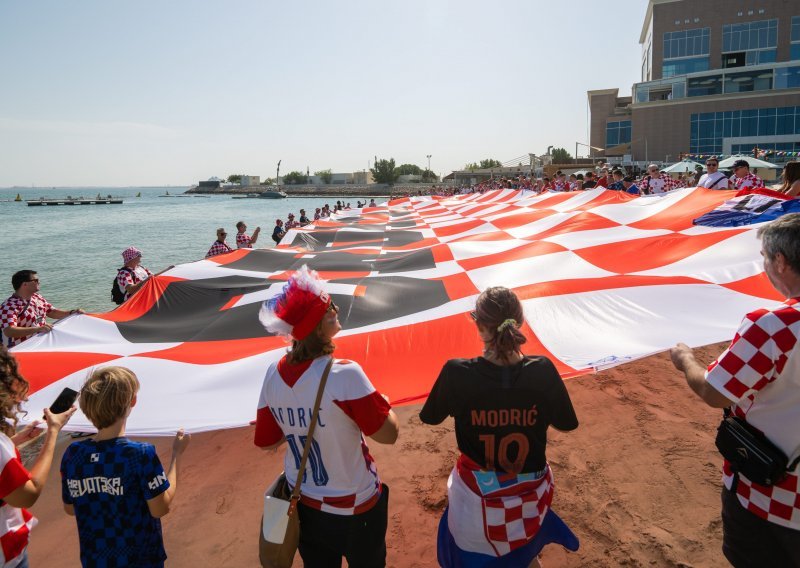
(500, 490)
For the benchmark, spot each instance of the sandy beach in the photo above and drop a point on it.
(638, 482)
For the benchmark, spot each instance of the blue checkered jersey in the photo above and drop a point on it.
(108, 483)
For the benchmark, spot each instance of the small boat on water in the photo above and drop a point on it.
(273, 194)
(18, 197)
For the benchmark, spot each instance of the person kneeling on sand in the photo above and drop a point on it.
(500, 490)
(116, 488)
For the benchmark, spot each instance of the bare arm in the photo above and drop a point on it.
(388, 432)
(27, 494)
(276, 445)
(684, 361)
(159, 505)
(254, 238)
(15, 331)
(61, 314)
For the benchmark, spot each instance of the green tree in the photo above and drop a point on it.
(428, 175)
(408, 170)
(235, 178)
(384, 171)
(561, 156)
(472, 166)
(295, 178)
(268, 181)
(489, 163)
(325, 175)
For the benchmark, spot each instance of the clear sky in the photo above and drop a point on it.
(99, 92)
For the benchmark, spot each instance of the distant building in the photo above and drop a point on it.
(247, 181)
(210, 184)
(716, 78)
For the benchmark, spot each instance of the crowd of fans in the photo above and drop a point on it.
(651, 181)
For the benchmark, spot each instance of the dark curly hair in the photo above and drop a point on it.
(13, 389)
(499, 310)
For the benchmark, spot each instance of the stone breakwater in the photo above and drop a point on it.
(372, 190)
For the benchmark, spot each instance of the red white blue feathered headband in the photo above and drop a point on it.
(299, 307)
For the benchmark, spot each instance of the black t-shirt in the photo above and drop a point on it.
(589, 184)
(501, 413)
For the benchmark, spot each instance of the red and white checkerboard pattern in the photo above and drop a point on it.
(243, 240)
(513, 520)
(218, 248)
(127, 278)
(605, 277)
(12, 315)
(749, 181)
(759, 371)
(658, 184)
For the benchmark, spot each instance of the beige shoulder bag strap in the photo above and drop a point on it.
(296, 491)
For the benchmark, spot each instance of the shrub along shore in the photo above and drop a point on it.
(338, 190)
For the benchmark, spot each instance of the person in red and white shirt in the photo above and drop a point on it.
(290, 222)
(757, 377)
(742, 178)
(20, 488)
(219, 246)
(343, 505)
(561, 184)
(132, 275)
(656, 182)
(243, 240)
(25, 312)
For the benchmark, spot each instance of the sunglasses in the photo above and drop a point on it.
(474, 316)
(333, 308)
(33, 280)
(712, 164)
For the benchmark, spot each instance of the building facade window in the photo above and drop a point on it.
(617, 133)
(748, 81)
(686, 51)
(750, 43)
(709, 129)
(795, 39)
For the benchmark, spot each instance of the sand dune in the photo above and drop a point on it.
(638, 482)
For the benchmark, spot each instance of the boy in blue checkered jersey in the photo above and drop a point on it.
(116, 488)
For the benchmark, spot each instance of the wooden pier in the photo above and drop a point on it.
(38, 202)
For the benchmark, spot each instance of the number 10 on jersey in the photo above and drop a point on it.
(318, 472)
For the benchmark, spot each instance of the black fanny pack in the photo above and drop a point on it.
(750, 453)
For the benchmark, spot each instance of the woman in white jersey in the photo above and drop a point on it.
(343, 504)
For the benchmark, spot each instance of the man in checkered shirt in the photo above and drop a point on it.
(243, 240)
(656, 182)
(219, 246)
(757, 376)
(25, 312)
(742, 178)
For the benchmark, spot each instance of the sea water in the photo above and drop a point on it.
(76, 249)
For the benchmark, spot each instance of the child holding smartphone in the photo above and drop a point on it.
(116, 488)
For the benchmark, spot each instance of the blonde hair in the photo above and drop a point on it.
(107, 395)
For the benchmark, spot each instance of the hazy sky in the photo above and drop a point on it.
(99, 92)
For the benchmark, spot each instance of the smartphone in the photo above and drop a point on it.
(64, 401)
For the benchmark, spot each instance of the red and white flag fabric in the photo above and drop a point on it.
(604, 277)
